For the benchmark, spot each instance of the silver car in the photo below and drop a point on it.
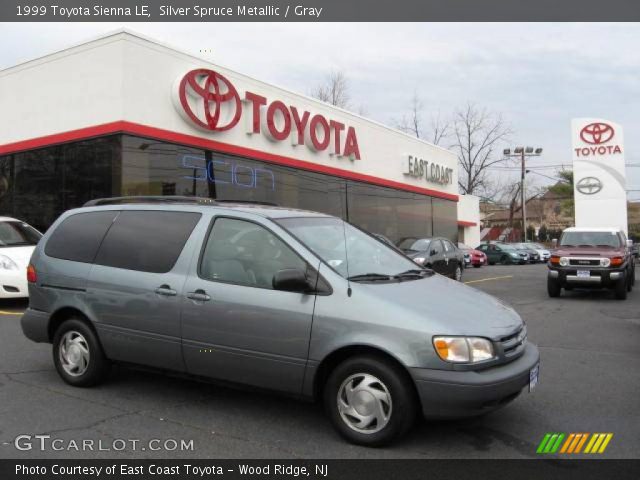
(280, 299)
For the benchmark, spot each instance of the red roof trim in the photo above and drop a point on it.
(193, 141)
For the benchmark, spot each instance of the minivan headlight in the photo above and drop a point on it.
(7, 264)
(419, 260)
(463, 349)
(564, 261)
(515, 255)
(605, 262)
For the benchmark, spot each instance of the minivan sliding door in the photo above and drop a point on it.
(135, 286)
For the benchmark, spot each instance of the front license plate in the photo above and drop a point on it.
(584, 273)
(533, 377)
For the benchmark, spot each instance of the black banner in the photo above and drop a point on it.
(317, 10)
(543, 468)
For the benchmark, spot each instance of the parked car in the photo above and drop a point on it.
(17, 241)
(503, 253)
(533, 255)
(437, 253)
(475, 257)
(545, 254)
(592, 258)
(230, 292)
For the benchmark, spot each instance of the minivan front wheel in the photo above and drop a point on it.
(370, 401)
(77, 354)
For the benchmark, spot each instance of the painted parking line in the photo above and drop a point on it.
(2, 312)
(490, 278)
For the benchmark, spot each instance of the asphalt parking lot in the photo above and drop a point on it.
(589, 382)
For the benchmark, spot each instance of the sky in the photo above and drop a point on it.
(538, 76)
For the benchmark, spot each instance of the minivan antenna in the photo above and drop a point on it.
(346, 256)
(344, 234)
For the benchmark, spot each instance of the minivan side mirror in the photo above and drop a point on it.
(291, 280)
(433, 251)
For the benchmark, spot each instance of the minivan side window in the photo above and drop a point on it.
(78, 237)
(245, 253)
(146, 240)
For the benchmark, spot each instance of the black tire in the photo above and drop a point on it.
(631, 279)
(620, 290)
(553, 287)
(504, 260)
(97, 366)
(455, 273)
(477, 266)
(398, 385)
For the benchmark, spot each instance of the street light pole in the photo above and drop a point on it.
(523, 153)
(522, 199)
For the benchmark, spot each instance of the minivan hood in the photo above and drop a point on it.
(441, 306)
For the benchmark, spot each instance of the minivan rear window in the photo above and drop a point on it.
(78, 237)
(146, 240)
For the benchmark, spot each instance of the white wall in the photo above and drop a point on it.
(469, 211)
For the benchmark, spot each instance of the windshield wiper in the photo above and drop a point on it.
(370, 277)
(414, 273)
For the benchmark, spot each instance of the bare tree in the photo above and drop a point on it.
(334, 90)
(412, 123)
(477, 133)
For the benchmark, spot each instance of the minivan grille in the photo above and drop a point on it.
(514, 343)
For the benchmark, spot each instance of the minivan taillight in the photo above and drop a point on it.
(32, 277)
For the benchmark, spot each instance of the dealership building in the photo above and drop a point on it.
(125, 115)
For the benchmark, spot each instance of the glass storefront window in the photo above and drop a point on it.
(37, 186)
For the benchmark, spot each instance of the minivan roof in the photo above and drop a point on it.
(173, 202)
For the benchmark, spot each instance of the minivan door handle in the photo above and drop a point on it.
(199, 295)
(166, 290)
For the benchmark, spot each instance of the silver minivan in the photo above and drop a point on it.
(286, 300)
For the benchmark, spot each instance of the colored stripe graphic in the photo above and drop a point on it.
(572, 443)
(550, 443)
(598, 443)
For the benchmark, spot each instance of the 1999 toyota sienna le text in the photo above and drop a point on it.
(287, 300)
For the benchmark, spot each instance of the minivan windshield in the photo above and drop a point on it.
(590, 239)
(364, 258)
(17, 234)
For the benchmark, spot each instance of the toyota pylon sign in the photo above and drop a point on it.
(599, 175)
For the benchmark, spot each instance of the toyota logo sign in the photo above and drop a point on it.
(210, 100)
(597, 133)
(589, 185)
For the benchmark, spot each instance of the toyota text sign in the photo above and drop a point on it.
(209, 101)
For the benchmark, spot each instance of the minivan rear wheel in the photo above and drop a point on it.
(370, 401)
(77, 354)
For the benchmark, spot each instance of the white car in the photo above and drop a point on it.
(17, 242)
(545, 254)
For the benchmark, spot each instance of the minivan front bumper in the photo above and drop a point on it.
(451, 394)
